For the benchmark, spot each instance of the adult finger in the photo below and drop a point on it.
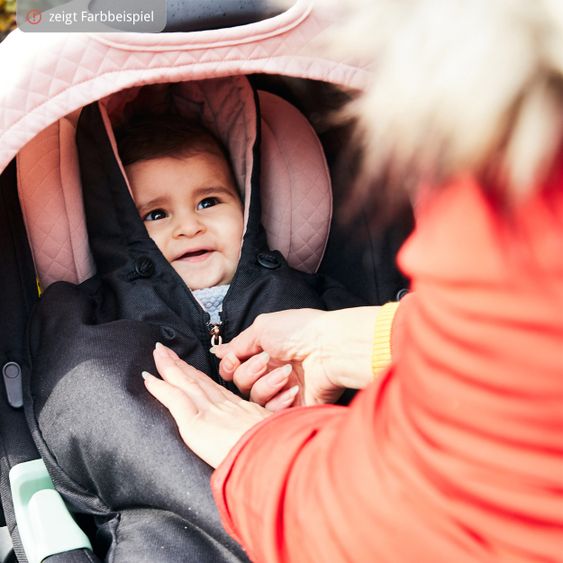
(228, 366)
(178, 373)
(267, 387)
(245, 344)
(250, 371)
(283, 400)
(178, 403)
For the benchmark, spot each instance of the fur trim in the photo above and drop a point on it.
(461, 85)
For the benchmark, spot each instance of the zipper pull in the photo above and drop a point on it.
(215, 332)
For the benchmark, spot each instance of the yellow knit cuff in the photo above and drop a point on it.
(381, 353)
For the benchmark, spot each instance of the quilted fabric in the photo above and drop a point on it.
(296, 189)
(49, 190)
(50, 75)
(226, 106)
(296, 192)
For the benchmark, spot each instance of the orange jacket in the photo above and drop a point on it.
(456, 454)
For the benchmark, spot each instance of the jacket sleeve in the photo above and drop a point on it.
(454, 454)
(296, 511)
(389, 331)
(288, 512)
(318, 496)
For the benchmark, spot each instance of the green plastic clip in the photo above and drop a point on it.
(45, 525)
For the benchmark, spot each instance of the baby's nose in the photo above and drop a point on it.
(189, 225)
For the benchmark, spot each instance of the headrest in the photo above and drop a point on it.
(295, 182)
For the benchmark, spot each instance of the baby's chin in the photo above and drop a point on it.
(195, 282)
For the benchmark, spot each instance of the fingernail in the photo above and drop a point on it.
(289, 396)
(293, 390)
(229, 362)
(216, 349)
(165, 351)
(260, 361)
(146, 374)
(279, 376)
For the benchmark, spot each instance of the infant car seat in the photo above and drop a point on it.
(42, 99)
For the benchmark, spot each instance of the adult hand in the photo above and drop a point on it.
(210, 418)
(322, 352)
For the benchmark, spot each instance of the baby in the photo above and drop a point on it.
(177, 261)
(189, 202)
(185, 192)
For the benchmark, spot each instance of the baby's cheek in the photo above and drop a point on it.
(158, 239)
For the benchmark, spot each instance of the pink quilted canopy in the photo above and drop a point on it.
(48, 75)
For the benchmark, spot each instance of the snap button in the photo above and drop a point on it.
(401, 293)
(168, 332)
(268, 260)
(144, 267)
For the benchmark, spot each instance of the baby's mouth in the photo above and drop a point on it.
(195, 255)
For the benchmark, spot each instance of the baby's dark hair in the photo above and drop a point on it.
(157, 136)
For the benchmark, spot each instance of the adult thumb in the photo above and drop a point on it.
(243, 346)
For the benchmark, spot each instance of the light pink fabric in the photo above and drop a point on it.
(296, 190)
(50, 195)
(45, 76)
(225, 105)
(48, 76)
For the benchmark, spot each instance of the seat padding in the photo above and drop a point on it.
(295, 183)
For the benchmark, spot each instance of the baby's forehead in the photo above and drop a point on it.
(219, 155)
(193, 173)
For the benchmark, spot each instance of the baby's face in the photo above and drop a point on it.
(192, 211)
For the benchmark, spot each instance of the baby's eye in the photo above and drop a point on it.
(207, 202)
(155, 215)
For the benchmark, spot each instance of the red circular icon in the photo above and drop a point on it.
(33, 17)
